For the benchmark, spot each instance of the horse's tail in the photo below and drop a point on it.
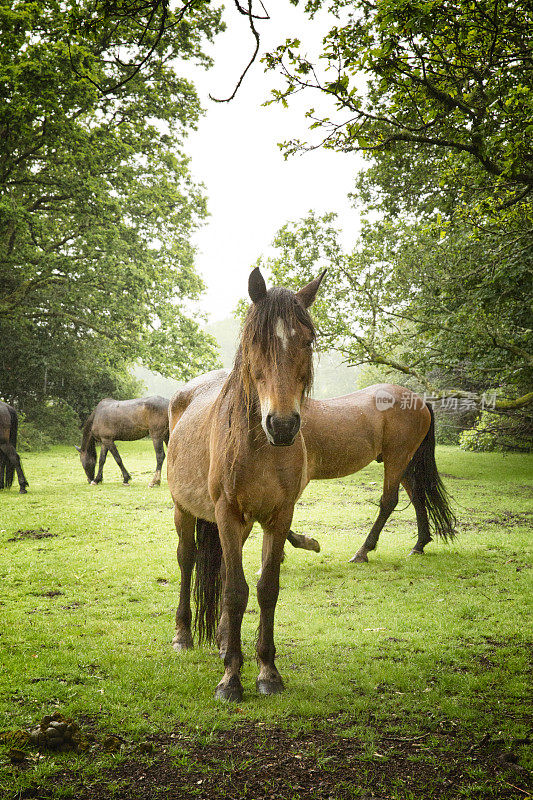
(208, 583)
(428, 487)
(7, 465)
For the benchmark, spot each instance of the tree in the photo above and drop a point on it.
(97, 205)
(437, 94)
(412, 302)
(450, 76)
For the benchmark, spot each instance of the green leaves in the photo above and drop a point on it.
(97, 205)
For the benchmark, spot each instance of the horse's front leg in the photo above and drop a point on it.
(101, 461)
(185, 524)
(235, 598)
(269, 680)
(160, 457)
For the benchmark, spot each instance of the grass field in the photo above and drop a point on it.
(405, 677)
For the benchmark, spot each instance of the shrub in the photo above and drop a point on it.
(43, 426)
(493, 432)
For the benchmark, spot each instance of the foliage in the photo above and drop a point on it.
(497, 434)
(48, 424)
(438, 96)
(412, 646)
(97, 205)
(448, 77)
(418, 304)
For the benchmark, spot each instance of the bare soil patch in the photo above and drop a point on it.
(258, 762)
(32, 533)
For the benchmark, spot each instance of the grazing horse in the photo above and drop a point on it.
(124, 421)
(9, 458)
(235, 456)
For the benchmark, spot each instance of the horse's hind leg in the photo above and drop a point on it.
(387, 504)
(12, 457)
(160, 457)
(303, 542)
(269, 680)
(126, 477)
(186, 559)
(422, 521)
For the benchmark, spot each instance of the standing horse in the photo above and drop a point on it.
(236, 455)
(125, 421)
(383, 423)
(9, 458)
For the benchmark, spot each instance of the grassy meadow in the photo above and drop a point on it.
(430, 650)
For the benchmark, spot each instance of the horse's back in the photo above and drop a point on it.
(202, 388)
(128, 420)
(344, 434)
(7, 413)
(188, 456)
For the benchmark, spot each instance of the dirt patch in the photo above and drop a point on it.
(257, 762)
(511, 518)
(33, 533)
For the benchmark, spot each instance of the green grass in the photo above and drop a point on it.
(87, 612)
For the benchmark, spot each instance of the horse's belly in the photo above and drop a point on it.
(324, 466)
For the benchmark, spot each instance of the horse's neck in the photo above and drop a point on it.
(87, 435)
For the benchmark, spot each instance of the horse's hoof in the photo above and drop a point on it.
(93, 483)
(23, 491)
(182, 644)
(231, 691)
(415, 552)
(270, 686)
(359, 558)
(126, 483)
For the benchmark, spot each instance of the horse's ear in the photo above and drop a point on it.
(256, 286)
(77, 448)
(307, 293)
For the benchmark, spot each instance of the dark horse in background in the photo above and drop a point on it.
(9, 458)
(123, 421)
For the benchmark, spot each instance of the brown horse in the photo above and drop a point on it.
(124, 421)
(381, 423)
(345, 434)
(236, 454)
(9, 458)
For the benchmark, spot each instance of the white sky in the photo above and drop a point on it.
(252, 191)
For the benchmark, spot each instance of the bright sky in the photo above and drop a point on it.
(252, 191)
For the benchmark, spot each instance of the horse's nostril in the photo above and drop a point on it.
(283, 428)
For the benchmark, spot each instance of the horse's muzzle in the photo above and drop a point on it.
(282, 430)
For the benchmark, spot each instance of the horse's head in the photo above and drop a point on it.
(88, 461)
(277, 354)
